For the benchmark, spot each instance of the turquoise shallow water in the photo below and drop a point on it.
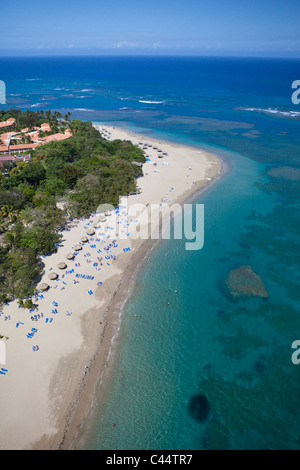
(196, 342)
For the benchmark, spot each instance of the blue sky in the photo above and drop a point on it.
(193, 27)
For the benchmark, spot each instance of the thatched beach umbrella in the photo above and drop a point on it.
(77, 247)
(62, 266)
(53, 276)
(43, 287)
(70, 256)
(84, 239)
(90, 231)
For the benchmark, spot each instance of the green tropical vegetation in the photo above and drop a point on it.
(84, 171)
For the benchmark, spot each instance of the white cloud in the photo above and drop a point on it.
(125, 44)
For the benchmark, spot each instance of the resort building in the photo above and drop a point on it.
(36, 140)
(14, 158)
(9, 122)
(6, 150)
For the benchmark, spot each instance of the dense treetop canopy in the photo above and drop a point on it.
(84, 170)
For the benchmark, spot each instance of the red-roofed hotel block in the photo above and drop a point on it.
(5, 150)
(13, 158)
(9, 122)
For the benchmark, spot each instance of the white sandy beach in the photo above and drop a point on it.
(40, 389)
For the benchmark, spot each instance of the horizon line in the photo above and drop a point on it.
(224, 56)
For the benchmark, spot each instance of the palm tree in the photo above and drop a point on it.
(48, 116)
(10, 239)
(6, 211)
(57, 115)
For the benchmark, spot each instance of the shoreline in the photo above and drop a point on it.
(68, 404)
(121, 296)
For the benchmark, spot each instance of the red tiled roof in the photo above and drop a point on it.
(58, 136)
(35, 137)
(6, 135)
(9, 122)
(45, 126)
(5, 148)
(12, 158)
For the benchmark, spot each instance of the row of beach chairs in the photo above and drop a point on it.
(33, 331)
(84, 276)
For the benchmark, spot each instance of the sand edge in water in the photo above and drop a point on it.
(46, 394)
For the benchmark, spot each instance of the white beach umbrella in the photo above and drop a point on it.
(62, 266)
(53, 276)
(43, 287)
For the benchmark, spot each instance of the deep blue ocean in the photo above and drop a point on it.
(196, 370)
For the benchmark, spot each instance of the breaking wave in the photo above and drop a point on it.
(274, 111)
